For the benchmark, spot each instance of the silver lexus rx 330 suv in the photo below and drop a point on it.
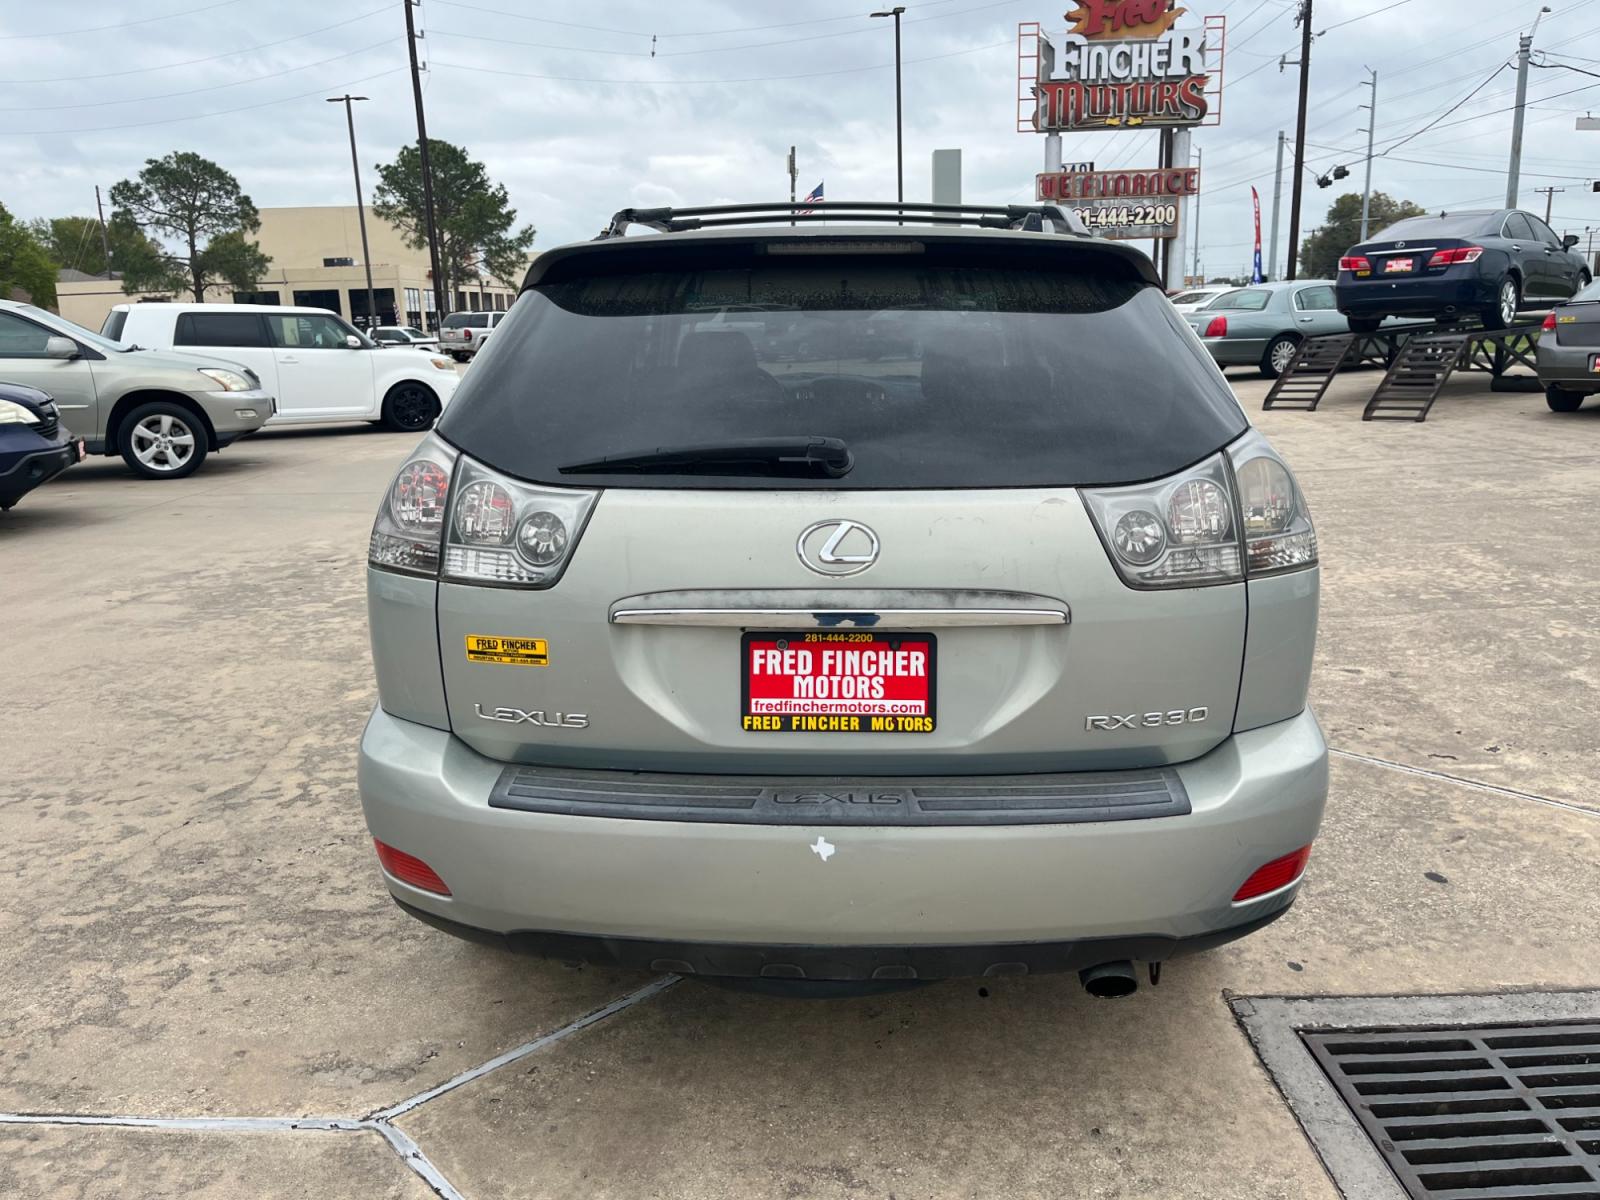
(837, 605)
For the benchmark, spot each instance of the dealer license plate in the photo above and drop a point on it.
(837, 682)
(1396, 265)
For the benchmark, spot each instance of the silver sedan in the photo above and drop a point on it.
(1262, 325)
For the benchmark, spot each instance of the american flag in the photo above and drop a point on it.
(814, 196)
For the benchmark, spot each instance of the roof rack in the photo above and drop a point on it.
(1036, 218)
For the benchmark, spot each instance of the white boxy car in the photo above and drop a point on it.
(318, 366)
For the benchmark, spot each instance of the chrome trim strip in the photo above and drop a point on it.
(840, 618)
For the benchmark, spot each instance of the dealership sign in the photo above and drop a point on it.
(1122, 204)
(1124, 64)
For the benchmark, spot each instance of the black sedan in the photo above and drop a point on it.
(34, 446)
(1484, 264)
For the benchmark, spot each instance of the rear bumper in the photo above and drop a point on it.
(1567, 365)
(1432, 296)
(745, 898)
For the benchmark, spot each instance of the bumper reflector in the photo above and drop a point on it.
(408, 868)
(1279, 873)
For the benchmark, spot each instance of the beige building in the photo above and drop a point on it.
(316, 262)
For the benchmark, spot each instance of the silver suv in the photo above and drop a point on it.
(162, 412)
(839, 607)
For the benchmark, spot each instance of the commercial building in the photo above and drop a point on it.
(316, 262)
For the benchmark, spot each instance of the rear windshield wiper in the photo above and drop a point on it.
(813, 455)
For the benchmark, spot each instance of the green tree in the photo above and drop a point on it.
(25, 263)
(75, 242)
(196, 202)
(1319, 254)
(477, 225)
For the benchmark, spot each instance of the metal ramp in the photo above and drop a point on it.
(1315, 363)
(1416, 376)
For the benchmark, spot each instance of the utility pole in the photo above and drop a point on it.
(899, 145)
(440, 303)
(1299, 138)
(1372, 125)
(1277, 204)
(1524, 49)
(361, 208)
(1196, 231)
(105, 242)
(794, 171)
(1549, 198)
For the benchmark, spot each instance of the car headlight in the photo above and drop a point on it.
(229, 381)
(12, 413)
(444, 364)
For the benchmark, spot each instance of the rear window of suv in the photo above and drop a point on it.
(936, 372)
(466, 321)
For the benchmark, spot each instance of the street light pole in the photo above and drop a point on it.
(440, 305)
(361, 208)
(899, 143)
(1524, 49)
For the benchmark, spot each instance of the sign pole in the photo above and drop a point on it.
(1277, 207)
(1178, 244)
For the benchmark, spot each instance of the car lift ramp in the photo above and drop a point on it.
(1316, 361)
(1416, 377)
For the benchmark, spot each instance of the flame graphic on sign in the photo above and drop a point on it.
(1123, 19)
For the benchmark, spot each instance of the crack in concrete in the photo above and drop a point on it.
(380, 1122)
(1461, 781)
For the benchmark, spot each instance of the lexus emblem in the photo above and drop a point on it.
(1399, 245)
(837, 547)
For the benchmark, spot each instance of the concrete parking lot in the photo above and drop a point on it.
(192, 924)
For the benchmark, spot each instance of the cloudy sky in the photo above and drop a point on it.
(566, 104)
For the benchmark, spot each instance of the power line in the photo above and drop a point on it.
(482, 70)
(1360, 17)
(221, 112)
(197, 91)
(67, 33)
(649, 54)
(80, 78)
(500, 12)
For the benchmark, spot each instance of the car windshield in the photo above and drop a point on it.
(1191, 297)
(1250, 300)
(941, 371)
(1447, 225)
(73, 330)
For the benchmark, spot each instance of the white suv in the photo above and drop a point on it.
(463, 334)
(318, 366)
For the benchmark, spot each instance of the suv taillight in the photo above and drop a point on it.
(1217, 327)
(1354, 262)
(502, 531)
(410, 523)
(448, 516)
(1456, 254)
(1188, 530)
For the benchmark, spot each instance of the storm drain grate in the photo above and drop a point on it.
(1506, 1111)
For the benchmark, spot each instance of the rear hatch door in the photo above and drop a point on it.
(944, 605)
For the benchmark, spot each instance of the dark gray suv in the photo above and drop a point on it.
(845, 605)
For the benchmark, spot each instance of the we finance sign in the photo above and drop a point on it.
(1128, 64)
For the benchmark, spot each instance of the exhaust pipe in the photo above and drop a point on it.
(1109, 981)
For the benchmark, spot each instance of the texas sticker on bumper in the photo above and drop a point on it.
(842, 682)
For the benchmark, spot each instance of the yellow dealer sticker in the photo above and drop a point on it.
(521, 652)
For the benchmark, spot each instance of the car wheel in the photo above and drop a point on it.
(410, 407)
(1279, 354)
(1365, 324)
(1561, 400)
(1504, 311)
(162, 440)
